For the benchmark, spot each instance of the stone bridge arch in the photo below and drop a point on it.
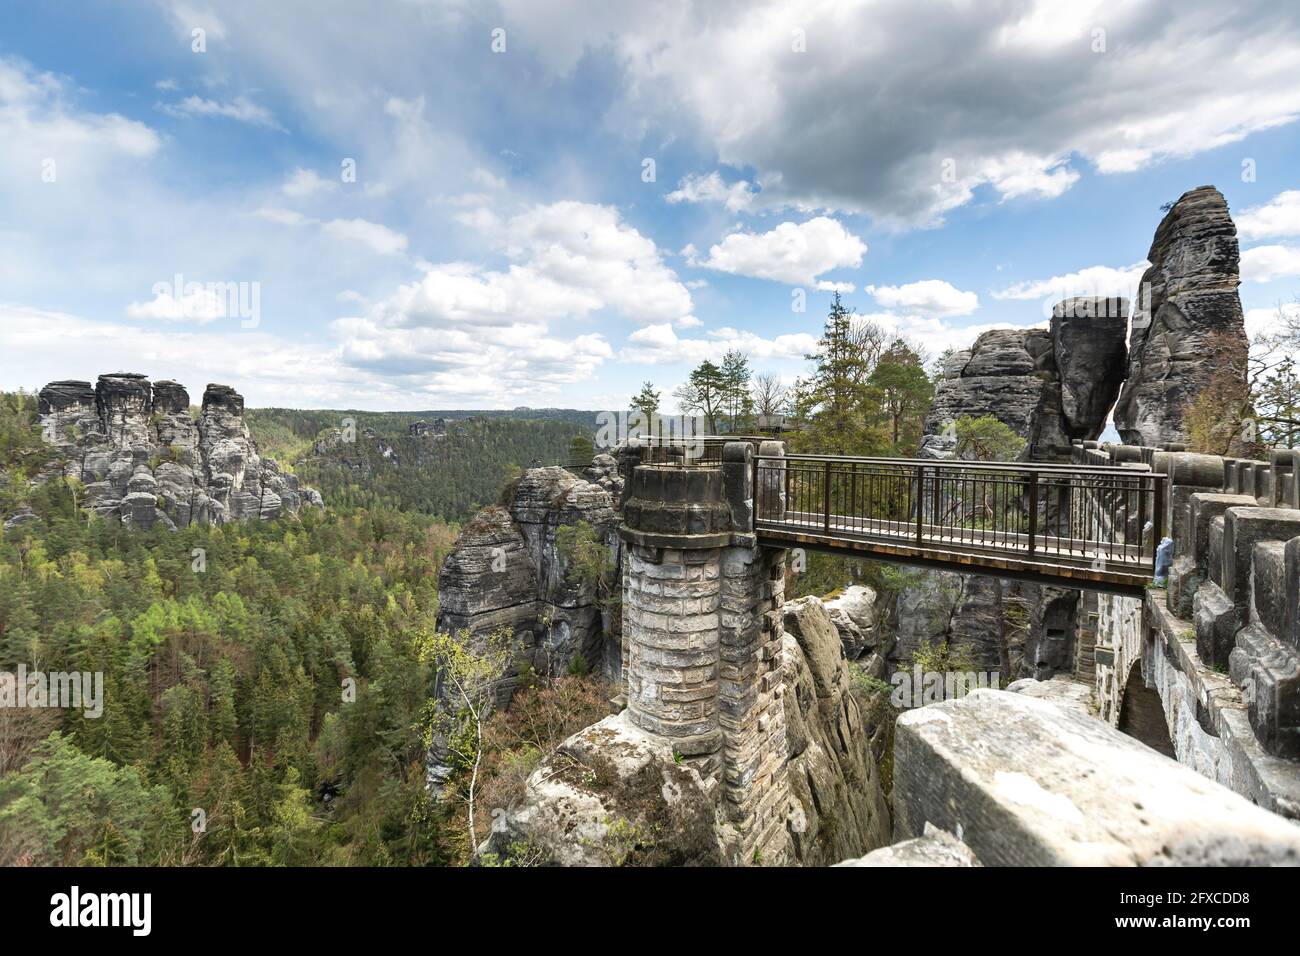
(1142, 713)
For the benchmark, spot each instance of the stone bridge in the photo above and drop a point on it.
(703, 587)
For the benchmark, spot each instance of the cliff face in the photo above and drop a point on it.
(507, 570)
(1188, 295)
(143, 458)
(1048, 386)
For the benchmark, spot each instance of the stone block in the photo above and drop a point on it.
(1217, 621)
(1268, 586)
(1285, 484)
(1242, 529)
(1027, 783)
(1214, 551)
(1203, 508)
(1268, 673)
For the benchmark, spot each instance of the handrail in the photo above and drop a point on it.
(1021, 466)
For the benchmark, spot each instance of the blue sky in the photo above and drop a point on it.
(506, 240)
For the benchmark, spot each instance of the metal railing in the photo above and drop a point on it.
(1105, 519)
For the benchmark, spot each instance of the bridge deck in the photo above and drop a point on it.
(1070, 525)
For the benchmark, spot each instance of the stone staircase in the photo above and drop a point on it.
(1085, 646)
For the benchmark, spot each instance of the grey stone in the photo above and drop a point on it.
(933, 848)
(1024, 782)
(1187, 305)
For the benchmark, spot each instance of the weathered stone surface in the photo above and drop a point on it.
(1187, 296)
(611, 795)
(832, 771)
(1025, 782)
(1062, 691)
(1088, 342)
(855, 616)
(507, 570)
(145, 460)
(934, 847)
(1048, 386)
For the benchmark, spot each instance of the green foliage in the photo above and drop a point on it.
(581, 449)
(224, 690)
(944, 657)
(646, 401)
(451, 477)
(587, 560)
(986, 439)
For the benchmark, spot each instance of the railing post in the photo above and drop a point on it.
(1033, 511)
(826, 498)
(1158, 513)
(755, 490)
(920, 503)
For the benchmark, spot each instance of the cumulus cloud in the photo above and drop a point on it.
(660, 345)
(1268, 322)
(490, 330)
(1092, 281)
(1280, 216)
(589, 249)
(908, 138)
(930, 297)
(735, 197)
(305, 182)
(796, 253)
(1266, 263)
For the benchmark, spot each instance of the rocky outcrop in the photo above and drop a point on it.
(832, 770)
(934, 847)
(1048, 386)
(1188, 320)
(610, 795)
(855, 616)
(146, 461)
(509, 570)
(613, 794)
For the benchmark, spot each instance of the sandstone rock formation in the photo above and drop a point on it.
(934, 847)
(612, 794)
(145, 460)
(1187, 321)
(1048, 386)
(507, 571)
(832, 769)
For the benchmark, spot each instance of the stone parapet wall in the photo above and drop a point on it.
(1221, 643)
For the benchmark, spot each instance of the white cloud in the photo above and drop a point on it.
(241, 109)
(935, 335)
(735, 197)
(1092, 281)
(1266, 263)
(931, 297)
(199, 305)
(305, 182)
(1266, 321)
(378, 238)
(1012, 93)
(588, 248)
(38, 121)
(660, 345)
(793, 253)
(1280, 216)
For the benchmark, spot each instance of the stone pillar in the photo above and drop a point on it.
(702, 630)
(670, 627)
